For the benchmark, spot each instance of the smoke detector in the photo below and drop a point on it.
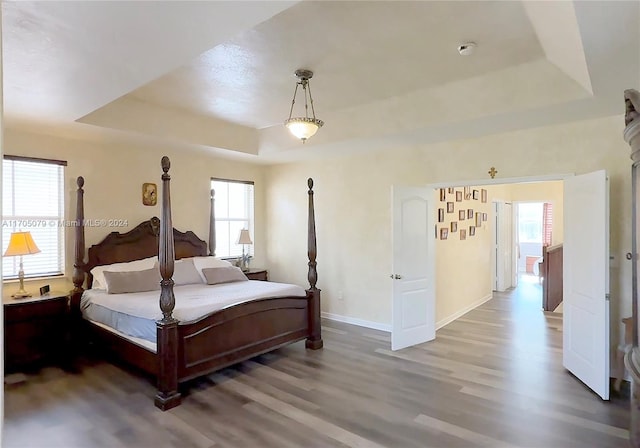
(466, 49)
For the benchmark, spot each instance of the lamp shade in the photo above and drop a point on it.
(303, 128)
(244, 237)
(21, 243)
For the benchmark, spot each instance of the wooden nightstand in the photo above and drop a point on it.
(35, 329)
(257, 274)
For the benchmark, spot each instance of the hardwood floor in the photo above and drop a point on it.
(492, 378)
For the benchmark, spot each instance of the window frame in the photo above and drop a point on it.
(250, 218)
(40, 219)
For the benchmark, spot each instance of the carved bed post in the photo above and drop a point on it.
(314, 341)
(212, 225)
(78, 263)
(167, 328)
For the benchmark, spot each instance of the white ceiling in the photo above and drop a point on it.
(219, 75)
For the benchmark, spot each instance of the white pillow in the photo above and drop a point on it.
(138, 265)
(208, 262)
(185, 273)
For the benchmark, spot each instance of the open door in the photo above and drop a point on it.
(413, 274)
(586, 280)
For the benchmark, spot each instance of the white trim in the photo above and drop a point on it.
(358, 322)
(498, 181)
(462, 312)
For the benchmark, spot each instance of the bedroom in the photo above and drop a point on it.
(118, 147)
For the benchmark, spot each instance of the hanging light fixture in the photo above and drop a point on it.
(303, 127)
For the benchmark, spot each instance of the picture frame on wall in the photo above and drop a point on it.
(458, 196)
(470, 213)
(461, 215)
(450, 190)
(484, 217)
(444, 233)
(483, 195)
(463, 234)
(467, 193)
(454, 226)
(443, 195)
(478, 219)
(472, 231)
(149, 194)
(450, 207)
(476, 195)
(440, 215)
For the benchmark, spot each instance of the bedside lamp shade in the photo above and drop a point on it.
(21, 243)
(244, 237)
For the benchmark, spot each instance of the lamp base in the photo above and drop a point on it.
(20, 295)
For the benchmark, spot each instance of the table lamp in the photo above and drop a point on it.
(21, 243)
(244, 238)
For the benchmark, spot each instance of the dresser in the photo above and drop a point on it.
(35, 329)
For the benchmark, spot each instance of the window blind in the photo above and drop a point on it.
(234, 209)
(33, 200)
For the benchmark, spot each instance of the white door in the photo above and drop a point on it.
(586, 280)
(413, 274)
(503, 246)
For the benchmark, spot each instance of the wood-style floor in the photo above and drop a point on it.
(491, 379)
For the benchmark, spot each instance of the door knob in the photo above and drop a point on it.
(397, 276)
(629, 256)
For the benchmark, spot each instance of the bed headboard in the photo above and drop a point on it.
(141, 242)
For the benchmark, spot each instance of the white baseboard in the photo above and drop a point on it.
(358, 322)
(454, 316)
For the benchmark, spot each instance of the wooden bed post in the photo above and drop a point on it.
(167, 328)
(212, 225)
(78, 263)
(314, 341)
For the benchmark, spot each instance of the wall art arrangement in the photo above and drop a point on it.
(460, 200)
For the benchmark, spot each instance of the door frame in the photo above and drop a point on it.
(481, 182)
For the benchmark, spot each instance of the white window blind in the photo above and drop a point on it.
(234, 212)
(33, 200)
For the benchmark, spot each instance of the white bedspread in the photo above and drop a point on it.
(192, 301)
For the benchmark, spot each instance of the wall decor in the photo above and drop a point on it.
(463, 234)
(444, 232)
(149, 194)
(472, 231)
(443, 195)
(450, 190)
(484, 217)
(467, 193)
(476, 195)
(454, 226)
(478, 219)
(483, 195)
(470, 213)
(461, 215)
(450, 207)
(458, 196)
(440, 215)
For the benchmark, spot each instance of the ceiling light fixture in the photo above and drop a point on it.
(303, 127)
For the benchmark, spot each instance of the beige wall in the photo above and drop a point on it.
(463, 267)
(113, 180)
(353, 204)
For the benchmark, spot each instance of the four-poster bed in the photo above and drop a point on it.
(185, 350)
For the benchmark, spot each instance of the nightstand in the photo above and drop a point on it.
(35, 329)
(257, 274)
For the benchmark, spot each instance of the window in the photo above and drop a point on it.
(33, 200)
(530, 222)
(234, 212)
